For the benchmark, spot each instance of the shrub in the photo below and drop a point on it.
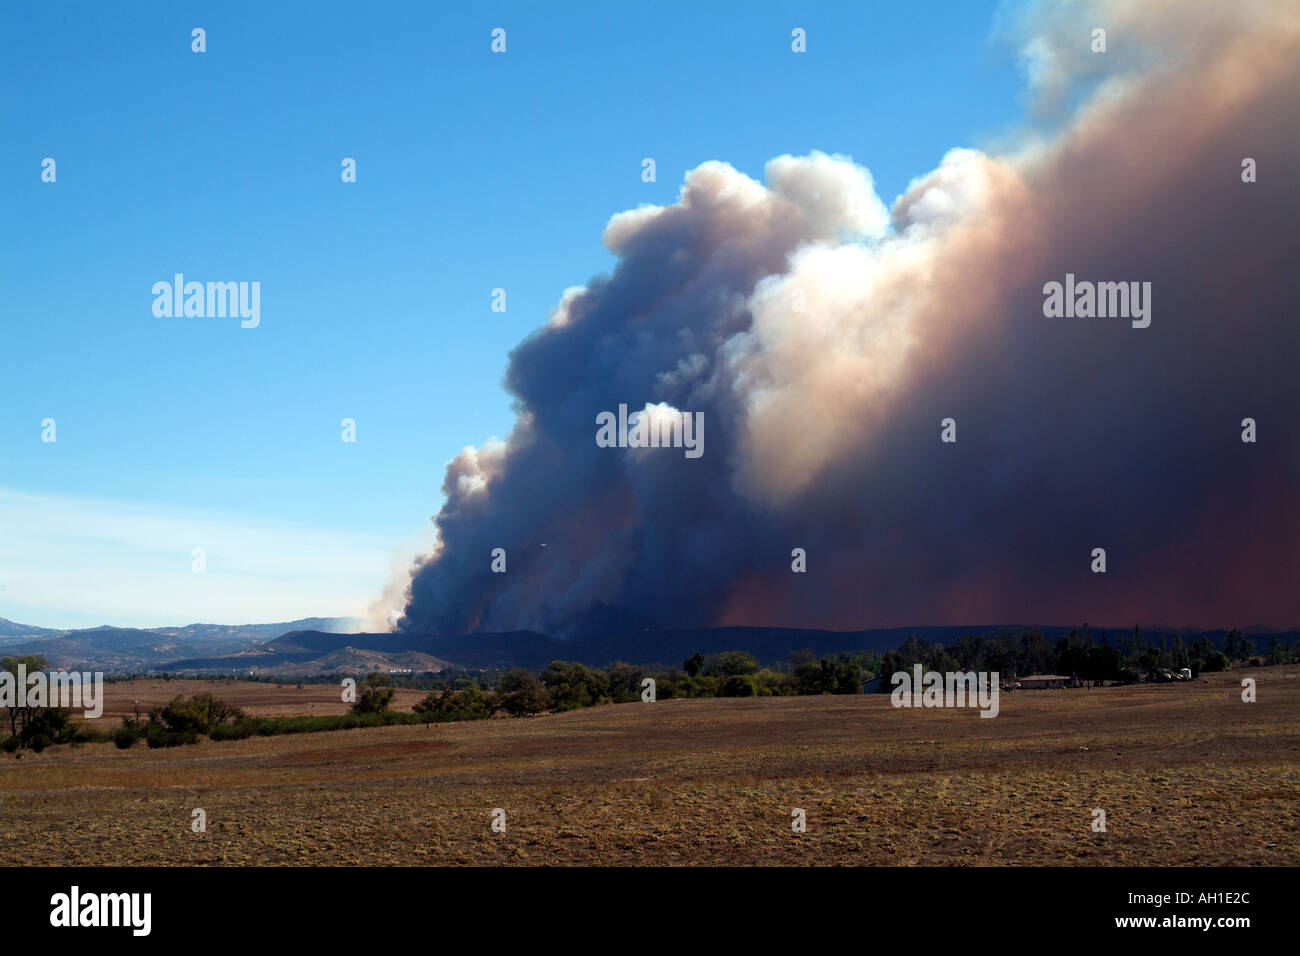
(376, 695)
(739, 685)
(125, 736)
(197, 715)
(157, 736)
(51, 724)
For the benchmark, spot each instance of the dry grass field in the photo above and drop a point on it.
(255, 698)
(1187, 774)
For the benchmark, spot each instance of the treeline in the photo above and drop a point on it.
(184, 720)
(568, 685)
(1079, 654)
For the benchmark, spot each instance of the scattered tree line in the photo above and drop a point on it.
(1079, 654)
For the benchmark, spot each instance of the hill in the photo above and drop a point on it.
(130, 649)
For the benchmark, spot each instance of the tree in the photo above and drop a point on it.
(375, 695)
(1216, 661)
(730, 664)
(739, 685)
(1179, 653)
(1071, 654)
(1100, 664)
(18, 716)
(572, 685)
(1276, 651)
(623, 681)
(521, 694)
(833, 674)
(32, 726)
(693, 664)
(1200, 647)
(467, 703)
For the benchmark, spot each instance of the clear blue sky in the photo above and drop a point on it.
(475, 170)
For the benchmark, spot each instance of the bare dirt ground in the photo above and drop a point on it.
(1187, 774)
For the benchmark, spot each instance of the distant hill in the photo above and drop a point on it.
(315, 652)
(129, 649)
(314, 646)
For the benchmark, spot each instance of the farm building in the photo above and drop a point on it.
(1044, 682)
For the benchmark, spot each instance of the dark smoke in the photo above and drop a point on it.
(822, 425)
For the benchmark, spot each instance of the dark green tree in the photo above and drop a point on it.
(521, 694)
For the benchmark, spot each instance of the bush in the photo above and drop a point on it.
(195, 716)
(11, 744)
(375, 696)
(124, 737)
(49, 723)
(157, 736)
(739, 685)
(275, 726)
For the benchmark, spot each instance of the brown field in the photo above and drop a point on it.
(1187, 774)
(255, 698)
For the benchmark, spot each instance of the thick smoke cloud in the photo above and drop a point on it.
(822, 426)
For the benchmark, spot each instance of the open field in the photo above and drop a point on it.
(255, 698)
(1187, 774)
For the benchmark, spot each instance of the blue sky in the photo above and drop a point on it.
(474, 171)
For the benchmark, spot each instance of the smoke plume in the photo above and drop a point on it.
(825, 337)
